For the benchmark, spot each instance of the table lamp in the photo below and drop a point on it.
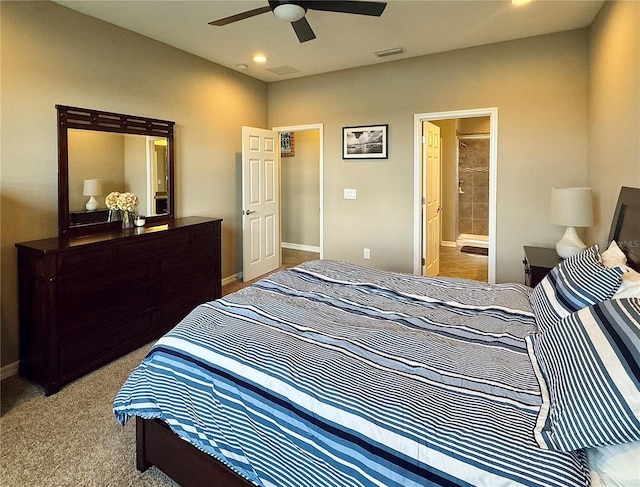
(571, 207)
(92, 188)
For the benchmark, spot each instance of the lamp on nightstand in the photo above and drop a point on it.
(92, 187)
(571, 207)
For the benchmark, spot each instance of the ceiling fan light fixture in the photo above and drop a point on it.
(289, 12)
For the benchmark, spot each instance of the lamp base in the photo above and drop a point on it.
(570, 244)
(92, 204)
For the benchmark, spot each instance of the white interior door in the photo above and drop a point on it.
(431, 187)
(260, 202)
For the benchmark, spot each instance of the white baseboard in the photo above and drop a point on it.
(446, 243)
(9, 370)
(232, 278)
(307, 248)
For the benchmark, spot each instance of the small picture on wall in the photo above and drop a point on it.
(365, 142)
(287, 144)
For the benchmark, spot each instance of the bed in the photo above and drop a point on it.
(335, 374)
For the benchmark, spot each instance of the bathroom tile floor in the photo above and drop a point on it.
(454, 263)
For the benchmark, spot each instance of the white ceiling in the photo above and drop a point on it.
(343, 41)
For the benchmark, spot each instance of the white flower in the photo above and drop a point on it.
(127, 201)
(112, 200)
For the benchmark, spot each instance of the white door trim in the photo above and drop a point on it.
(418, 118)
(320, 128)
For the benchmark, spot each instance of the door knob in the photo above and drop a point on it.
(248, 212)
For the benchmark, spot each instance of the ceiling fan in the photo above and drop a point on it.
(294, 12)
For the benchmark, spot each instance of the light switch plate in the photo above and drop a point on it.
(349, 194)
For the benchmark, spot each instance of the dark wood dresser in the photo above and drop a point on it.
(89, 300)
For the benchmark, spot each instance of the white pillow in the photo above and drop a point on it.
(630, 287)
(614, 257)
(617, 465)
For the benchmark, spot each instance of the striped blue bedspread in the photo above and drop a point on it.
(332, 374)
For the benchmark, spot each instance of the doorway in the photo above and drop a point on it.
(301, 193)
(450, 192)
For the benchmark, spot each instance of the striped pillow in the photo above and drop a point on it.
(589, 374)
(576, 282)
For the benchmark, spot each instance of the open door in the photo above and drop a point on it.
(431, 185)
(260, 202)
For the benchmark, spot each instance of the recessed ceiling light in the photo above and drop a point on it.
(242, 66)
(520, 2)
(260, 58)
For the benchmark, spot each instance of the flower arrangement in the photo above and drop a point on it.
(112, 200)
(127, 201)
(121, 202)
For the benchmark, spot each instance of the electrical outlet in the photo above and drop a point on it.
(367, 253)
(349, 194)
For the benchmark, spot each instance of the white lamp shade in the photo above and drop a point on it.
(289, 12)
(571, 207)
(92, 187)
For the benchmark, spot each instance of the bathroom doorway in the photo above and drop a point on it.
(468, 191)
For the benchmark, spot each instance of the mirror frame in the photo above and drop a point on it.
(88, 119)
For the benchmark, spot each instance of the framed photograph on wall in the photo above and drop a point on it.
(365, 142)
(287, 144)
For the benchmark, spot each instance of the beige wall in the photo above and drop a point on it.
(474, 125)
(300, 190)
(614, 105)
(539, 86)
(52, 55)
(94, 155)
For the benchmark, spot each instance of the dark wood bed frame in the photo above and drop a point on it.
(157, 445)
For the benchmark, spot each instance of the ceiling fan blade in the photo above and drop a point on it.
(303, 30)
(349, 7)
(241, 16)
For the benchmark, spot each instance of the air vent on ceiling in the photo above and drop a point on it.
(283, 70)
(389, 52)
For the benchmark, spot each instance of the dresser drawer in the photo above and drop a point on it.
(169, 245)
(203, 236)
(76, 261)
(104, 342)
(110, 295)
(193, 263)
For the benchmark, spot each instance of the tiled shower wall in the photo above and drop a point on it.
(473, 184)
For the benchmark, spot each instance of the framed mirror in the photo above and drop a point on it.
(102, 152)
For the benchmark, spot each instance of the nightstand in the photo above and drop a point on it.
(538, 261)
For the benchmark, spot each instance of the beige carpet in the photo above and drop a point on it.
(71, 438)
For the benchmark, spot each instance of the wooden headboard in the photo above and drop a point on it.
(625, 227)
